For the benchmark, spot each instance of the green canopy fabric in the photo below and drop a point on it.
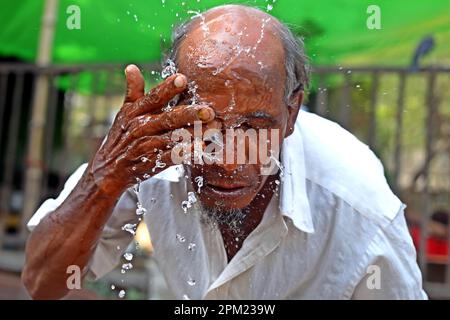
(135, 30)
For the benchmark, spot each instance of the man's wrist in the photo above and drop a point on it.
(104, 188)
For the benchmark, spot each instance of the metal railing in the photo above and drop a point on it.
(333, 96)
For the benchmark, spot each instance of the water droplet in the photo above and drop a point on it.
(186, 204)
(269, 7)
(185, 297)
(130, 227)
(191, 282)
(191, 246)
(113, 287)
(140, 210)
(180, 238)
(127, 266)
(159, 164)
(169, 69)
(122, 294)
(128, 256)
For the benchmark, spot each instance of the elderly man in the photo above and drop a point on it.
(324, 226)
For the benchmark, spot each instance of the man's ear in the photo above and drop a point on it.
(294, 106)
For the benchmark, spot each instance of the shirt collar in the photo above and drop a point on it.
(294, 201)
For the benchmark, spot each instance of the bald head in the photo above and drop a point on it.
(227, 40)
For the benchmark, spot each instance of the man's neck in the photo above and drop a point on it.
(254, 212)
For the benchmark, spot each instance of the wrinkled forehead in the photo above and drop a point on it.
(235, 46)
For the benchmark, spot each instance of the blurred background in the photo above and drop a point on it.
(381, 69)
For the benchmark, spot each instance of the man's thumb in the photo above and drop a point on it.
(135, 83)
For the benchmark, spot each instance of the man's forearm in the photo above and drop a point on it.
(66, 236)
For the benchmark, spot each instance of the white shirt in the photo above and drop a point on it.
(335, 231)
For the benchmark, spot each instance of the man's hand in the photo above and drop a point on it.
(140, 137)
(141, 131)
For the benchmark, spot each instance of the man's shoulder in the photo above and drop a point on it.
(337, 161)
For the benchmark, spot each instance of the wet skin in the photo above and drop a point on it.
(239, 71)
(69, 235)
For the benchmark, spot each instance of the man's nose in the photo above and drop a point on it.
(230, 161)
(229, 167)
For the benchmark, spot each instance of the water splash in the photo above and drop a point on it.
(159, 164)
(127, 266)
(171, 104)
(278, 164)
(192, 91)
(130, 227)
(140, 210)
(277, 187)
(203, 24)
(238, 49)
(261, 35)
(191, 282)
(121, 294)
(169, 69)
(199, 181)
(191, 246)
(180, 238)
(186, 204)
(232, 103)
(128, 256)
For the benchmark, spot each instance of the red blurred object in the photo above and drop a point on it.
(437, 248)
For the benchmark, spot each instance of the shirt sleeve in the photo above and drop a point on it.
(113, 240)
(50, 205)
(389, 267)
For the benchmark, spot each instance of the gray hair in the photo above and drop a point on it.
(296, 61)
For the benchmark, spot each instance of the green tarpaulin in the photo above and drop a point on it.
(135, 30)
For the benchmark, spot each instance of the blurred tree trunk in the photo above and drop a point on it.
(34, 160)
